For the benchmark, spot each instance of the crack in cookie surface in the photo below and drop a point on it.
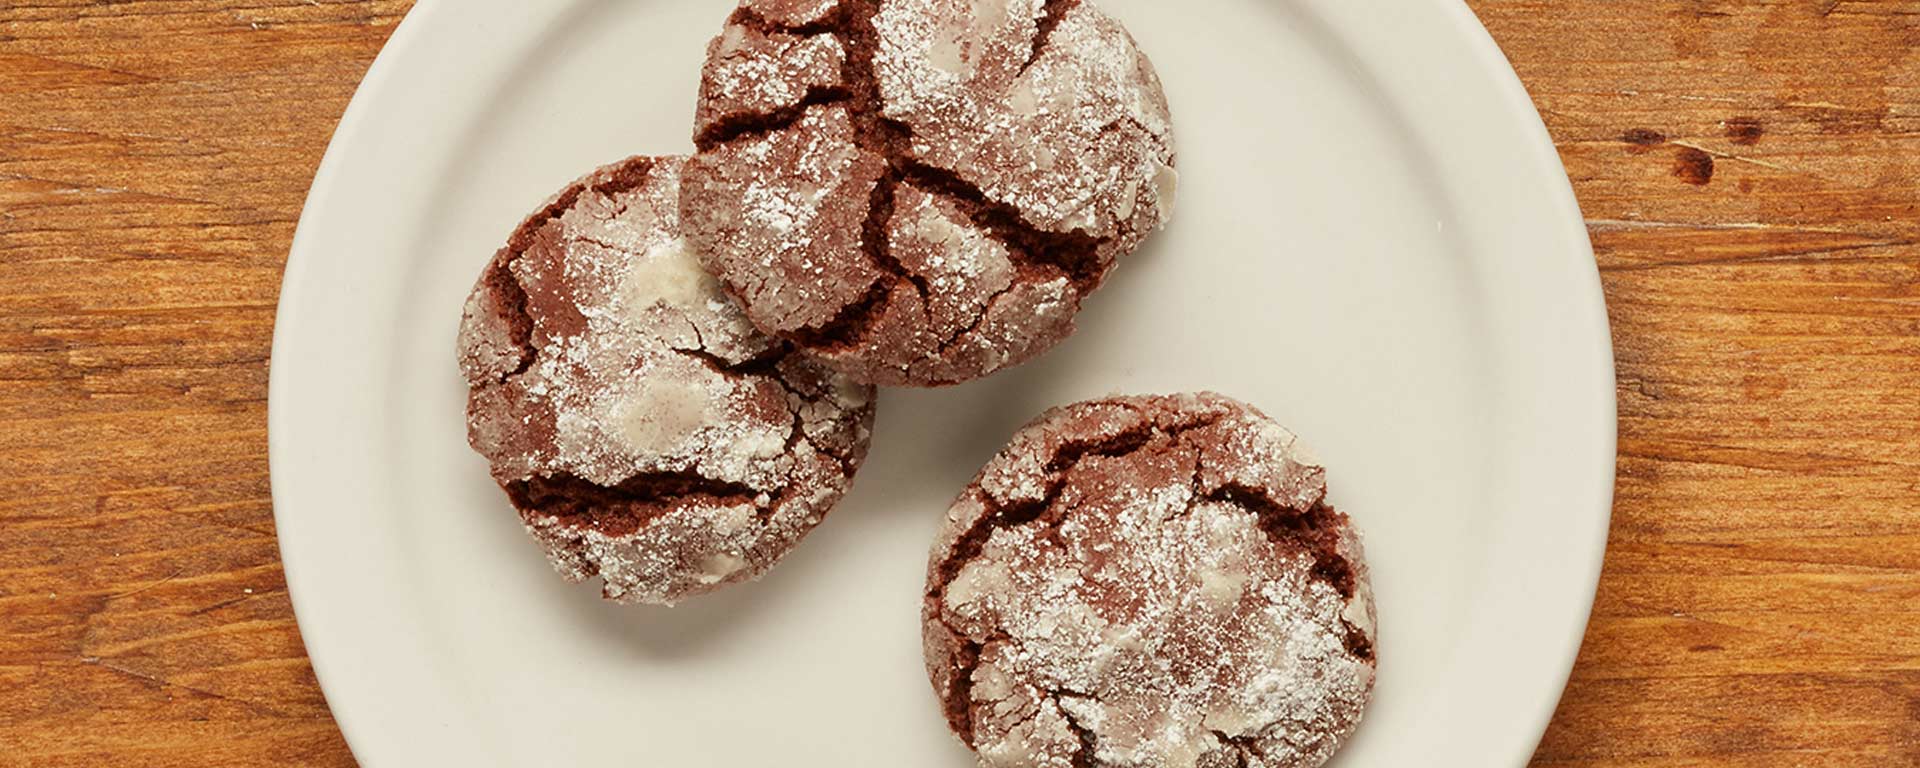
(648, 434)
(1052, 14)
(498, 330)
(628, 506)
(1173, 563)
(796, 201)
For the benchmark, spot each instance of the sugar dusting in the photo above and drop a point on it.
(637, 366)
(765, 236)
(755, 72)
(670, 275)
(1072, 137)
(1123, 608)
(663, 412)
(791, 13)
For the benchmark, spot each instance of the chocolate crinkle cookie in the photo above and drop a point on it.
(646, 432)
(1150, 582)
(922, 192)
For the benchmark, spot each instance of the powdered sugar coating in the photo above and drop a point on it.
(819, 207)
(791, 13)
(1072, 131)
(1038, 129)
(647, 432)
(750, 71)
(1150, 582)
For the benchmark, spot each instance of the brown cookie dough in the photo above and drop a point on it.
(922, 192)
(646, 432)
(1150, 582)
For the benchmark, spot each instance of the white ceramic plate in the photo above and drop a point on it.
(1375, 244)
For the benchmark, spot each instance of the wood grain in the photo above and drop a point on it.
(1749, 174)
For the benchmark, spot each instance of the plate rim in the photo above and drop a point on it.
(1541, 161)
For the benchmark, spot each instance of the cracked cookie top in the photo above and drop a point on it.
(647, 433)
(1150, 582)
(921, 192)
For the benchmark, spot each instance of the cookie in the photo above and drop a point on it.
(647, 434)
(1150, 581)
(922, 192)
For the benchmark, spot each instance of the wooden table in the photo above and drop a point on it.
(1750, 173)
